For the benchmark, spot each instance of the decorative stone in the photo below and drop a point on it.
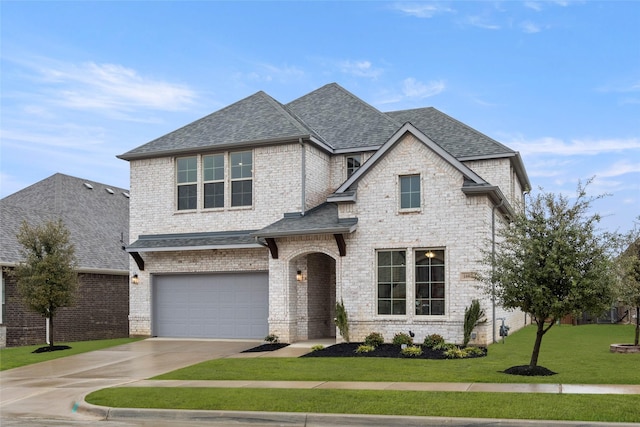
(624, 348)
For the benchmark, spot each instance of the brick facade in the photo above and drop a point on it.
(100, 312)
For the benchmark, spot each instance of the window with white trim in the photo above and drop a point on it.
(430, 282)
(187, 182)
(213, 180)
(392, 282)
(353, 163)
(241, 178)
(410, 194)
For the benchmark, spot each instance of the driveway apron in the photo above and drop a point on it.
(55, 388)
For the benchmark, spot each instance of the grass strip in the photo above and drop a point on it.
(604, 408)
(579, 354)
(14, 357)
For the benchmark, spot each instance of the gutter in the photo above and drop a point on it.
(493, 265)
(303, 177)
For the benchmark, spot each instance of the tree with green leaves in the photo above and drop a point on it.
(47, 278)
(552, 261)
(628, 286)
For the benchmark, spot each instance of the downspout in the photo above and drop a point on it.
(303, 177)
(493, 265)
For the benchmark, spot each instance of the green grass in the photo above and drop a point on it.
(579, 354)
(14, 357)
(608, 408)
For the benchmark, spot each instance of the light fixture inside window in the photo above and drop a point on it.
(135, 279)
(430, 254)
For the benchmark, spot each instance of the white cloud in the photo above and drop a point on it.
(414, 89)
(529, 27)
(422, 10)
(560, 147)
(480, 22)
(534, 5)
(110, 87)
(360, 69)
(622, 167)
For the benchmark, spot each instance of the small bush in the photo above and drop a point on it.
(342, 320)
(455, 353)
(317, 347)
(272, 338)
(474, 351)
(411, 350)
(432, 340)
(364, 348)
(374, 339)
(444, 346)
(402, 338)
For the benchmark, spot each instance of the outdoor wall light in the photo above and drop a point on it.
(299, 276)
(135, 280)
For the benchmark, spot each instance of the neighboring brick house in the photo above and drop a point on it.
(97, 217)
(257, 218)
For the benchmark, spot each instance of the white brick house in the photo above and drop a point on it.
(257, 218)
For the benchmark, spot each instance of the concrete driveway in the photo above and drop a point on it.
(54, 389)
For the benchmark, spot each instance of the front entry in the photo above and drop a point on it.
(316, 296)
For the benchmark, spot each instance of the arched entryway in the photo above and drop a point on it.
(315, 276)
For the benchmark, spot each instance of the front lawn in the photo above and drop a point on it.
(579, 354)
(14, 357)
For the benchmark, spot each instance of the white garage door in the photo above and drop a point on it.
(225, 305)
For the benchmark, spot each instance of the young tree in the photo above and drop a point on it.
(47, 278)
(551, 261)
(628, 287)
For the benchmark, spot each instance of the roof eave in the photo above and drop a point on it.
(193, 248)
(495, 195)
(335, 230)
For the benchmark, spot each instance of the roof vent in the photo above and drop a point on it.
(89, 186)
(126, 195)
(108, 190)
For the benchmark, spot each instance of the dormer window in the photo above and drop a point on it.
(353, 163)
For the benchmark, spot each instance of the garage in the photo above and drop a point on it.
(223, 305)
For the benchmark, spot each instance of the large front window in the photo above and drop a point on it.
(187, 181)
(429, 282)
(241, 178)
(392, 283)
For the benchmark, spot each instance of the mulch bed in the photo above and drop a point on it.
(266, 347)
(383, 350)
(526, 370)
(51, 348)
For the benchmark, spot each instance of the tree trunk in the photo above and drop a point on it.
(51, 332)
(536, 347)
(637, 326)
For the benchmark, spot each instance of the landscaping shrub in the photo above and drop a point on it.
(455, 353)
(272, 338)
(473, 315)
(364, 348)
(342, 320)
(374, 339)
(432, 340)
(402, 338)
(317, 347)
(411, 350)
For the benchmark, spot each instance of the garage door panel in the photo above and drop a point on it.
(211, 306)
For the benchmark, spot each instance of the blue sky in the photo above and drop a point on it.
(558, 81)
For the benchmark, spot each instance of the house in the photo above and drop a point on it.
(97, 217)
(258, 218)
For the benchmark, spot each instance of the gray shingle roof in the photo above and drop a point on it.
(96, 219)
(457, 138)
(330, 114)
(343, 120)
(257, 118)
(194, 241)
(323, 219)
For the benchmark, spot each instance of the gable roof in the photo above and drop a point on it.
(97, 219)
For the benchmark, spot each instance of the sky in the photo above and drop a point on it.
(559, 81)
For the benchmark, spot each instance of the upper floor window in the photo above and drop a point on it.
(429, 282)
(410, 192)
(392, 282)
(353, 163)
(241, 178)
(187, 182)
(213, 179)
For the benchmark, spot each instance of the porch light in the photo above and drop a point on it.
(299, 276)
(135, 280)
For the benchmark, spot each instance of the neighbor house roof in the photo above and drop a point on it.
(96, 215)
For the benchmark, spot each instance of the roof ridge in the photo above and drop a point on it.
(295, 120)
